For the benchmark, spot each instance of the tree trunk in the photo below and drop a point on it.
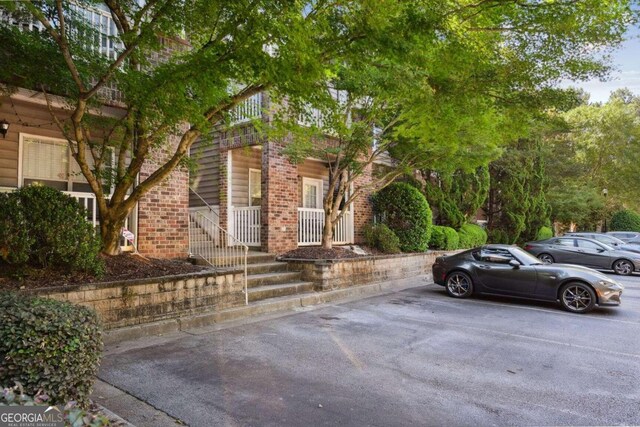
(327, 232)
(110, 232)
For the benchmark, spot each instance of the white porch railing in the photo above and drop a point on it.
(311, 223)
(246, 225)
(250, 108)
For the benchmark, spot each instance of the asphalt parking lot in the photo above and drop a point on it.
(415, 357)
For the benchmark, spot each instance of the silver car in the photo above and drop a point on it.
(586, 252)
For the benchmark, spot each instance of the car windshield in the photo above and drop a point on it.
(524, 256)
(609, 240)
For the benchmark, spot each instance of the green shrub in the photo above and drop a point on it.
(625, 220)
(49, 345)
(15, 240)
(498, 235)
(472, 235)
(54, 231)
(544, 233)
(405, 211)
(381, 237)
(71, 413)
(445, 238)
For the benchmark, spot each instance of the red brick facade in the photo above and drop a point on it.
(163, 216)
(279, 215)
(362, 208)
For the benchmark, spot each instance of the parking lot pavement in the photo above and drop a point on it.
(415, 357)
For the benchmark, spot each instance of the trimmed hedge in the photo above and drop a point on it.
(381, 237)
(445, 238)
(544, 233)
(44, 227)
(49, 345)
(471, 235)
(404, 209)
(625, 220)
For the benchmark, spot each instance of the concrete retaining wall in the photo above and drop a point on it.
(344, 273)
(136, 302)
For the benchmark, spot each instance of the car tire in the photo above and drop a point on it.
(623, 267)
(577, 297)
(546, 258)
(459, 285)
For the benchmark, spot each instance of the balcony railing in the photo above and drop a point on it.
(247, 110)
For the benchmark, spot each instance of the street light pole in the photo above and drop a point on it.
(604, 193)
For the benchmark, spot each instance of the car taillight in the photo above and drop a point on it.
(527, 247)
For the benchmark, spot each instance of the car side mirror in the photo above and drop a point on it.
(600, 250)
(515, 264)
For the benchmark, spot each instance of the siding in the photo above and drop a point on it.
(313, 169)
(206, 180)
(243, 159)
(23, 117)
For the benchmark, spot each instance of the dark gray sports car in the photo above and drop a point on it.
(511, 271)
(587, 252)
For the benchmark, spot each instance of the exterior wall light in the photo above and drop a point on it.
(4, 128)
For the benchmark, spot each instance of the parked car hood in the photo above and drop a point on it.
(576, 269)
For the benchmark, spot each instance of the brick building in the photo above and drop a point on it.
(246, 185)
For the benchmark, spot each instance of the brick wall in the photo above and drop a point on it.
(363, 209)
(279, 215)
(163, 214)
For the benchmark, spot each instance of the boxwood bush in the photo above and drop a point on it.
(404, 209)
(381, 237)
(445, 238)
(544, 233)
(471, 235)
(49, 346)
(44, 227)
(625, 220)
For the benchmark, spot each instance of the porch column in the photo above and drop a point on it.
(279, 211)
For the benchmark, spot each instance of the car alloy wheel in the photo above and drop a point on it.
(623, 267)
(546, 258)
(577, 298)
(459, 285)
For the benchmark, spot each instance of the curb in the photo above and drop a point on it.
(273, 305)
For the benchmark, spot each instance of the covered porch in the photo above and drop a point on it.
(246, 187)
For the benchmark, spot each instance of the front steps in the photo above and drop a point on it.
(268, 278)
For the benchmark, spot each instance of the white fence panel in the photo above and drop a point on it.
(246, 225)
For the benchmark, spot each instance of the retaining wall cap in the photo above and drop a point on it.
(365, 258)
(142, 281)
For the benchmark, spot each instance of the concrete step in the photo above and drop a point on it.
(267, 267)
(274, 291)
(277, 278)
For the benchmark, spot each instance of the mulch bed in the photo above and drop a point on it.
(119, 267)
(313, 252)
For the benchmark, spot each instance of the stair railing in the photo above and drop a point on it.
(216, 246)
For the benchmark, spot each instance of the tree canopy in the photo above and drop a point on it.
(446, 81)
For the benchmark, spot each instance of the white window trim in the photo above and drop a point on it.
(22, 136)
(319, 184)
(251, 170)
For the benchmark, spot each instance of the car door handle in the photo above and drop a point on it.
(484, 267)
